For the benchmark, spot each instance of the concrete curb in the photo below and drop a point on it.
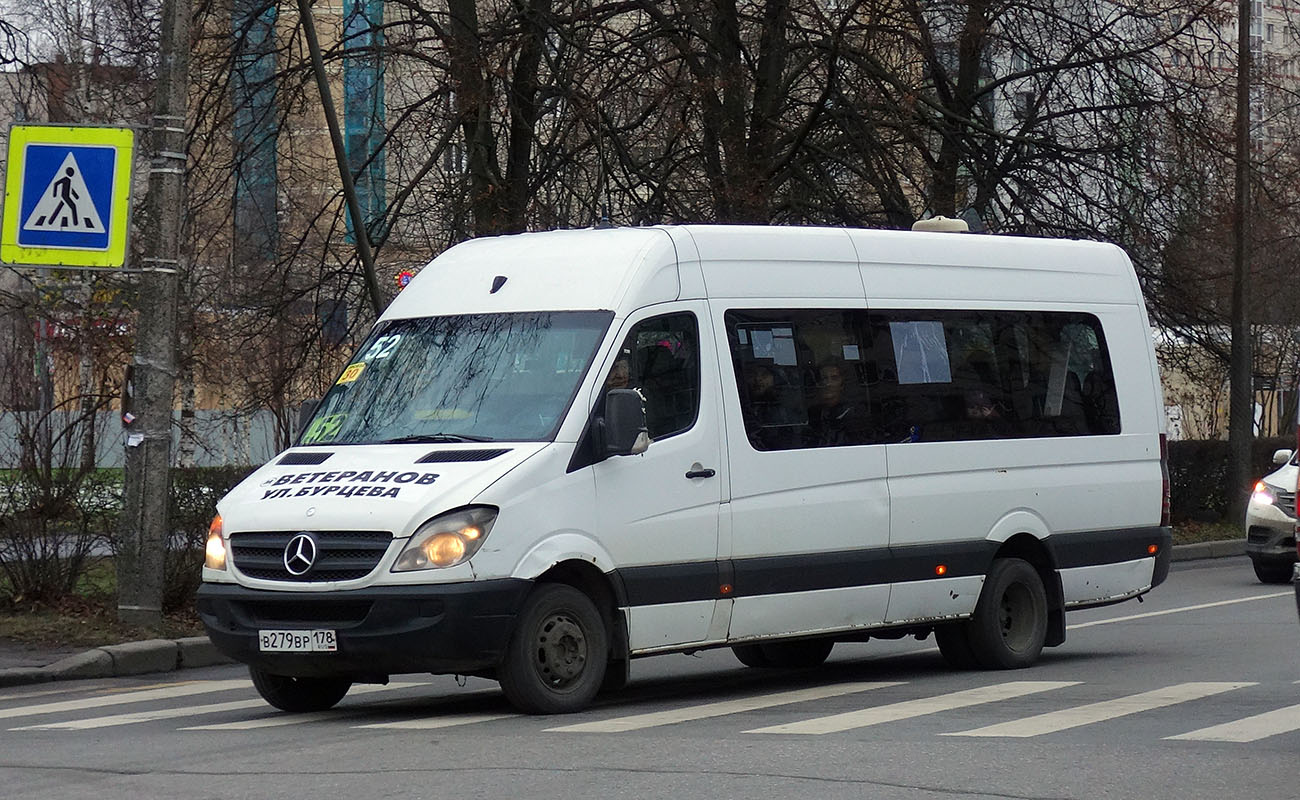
(167, 655)
(1219, 549)
(119, 660)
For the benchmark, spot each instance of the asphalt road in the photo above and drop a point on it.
(1193, 694)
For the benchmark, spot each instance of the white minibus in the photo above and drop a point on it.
(560, 451)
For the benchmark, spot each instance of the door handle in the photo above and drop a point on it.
(701, 473)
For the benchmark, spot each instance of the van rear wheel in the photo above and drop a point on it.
(299, 694)
(954, 645)
(784, 655)
(1009, 626)
(556, 659)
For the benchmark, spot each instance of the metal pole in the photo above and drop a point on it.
(147, 491)
(341, 158)
(1241, 413)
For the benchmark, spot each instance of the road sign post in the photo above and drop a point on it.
(67, 196)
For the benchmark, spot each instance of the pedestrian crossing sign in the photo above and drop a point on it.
(67, 196)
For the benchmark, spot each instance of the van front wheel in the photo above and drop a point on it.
(555, 661)
(1009, 626)
(299, 694)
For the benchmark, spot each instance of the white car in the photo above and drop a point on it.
(1270, 521)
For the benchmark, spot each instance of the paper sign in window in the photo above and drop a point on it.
(921, 352)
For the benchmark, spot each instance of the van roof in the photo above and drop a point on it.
(619, 269)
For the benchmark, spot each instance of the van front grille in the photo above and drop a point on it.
(339, 555)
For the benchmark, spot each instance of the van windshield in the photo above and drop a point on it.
(465, 378)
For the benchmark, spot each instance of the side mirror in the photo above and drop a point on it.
(1280, 457)
(624, 423)
(305, 413)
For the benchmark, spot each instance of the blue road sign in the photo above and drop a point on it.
(66, 196)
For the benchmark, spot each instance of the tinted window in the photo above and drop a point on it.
(829, 377)
(805, 377)
(951, 375)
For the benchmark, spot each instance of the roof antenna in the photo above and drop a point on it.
(941, 224)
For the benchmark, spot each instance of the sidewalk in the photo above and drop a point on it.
(25, 664)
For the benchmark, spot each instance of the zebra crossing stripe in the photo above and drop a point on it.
(180, 711)
(279, 720)
(722, 708)
(1067, 718)
(431, 723)
(1248, 729)
(101, 701)
(142, 716)
(907, 709)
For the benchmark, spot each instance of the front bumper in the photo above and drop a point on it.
(1271, 543)
(455, 628)
(1270, 533)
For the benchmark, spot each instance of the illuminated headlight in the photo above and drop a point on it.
(1263, 494)
(215, 554)
(447, 540)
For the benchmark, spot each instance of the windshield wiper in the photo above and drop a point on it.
(437, 438)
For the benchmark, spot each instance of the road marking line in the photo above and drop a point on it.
(437, 722)
(1248, 729)
(144, 696)
(638, 721)
(914, 708)
(142, 716)
(1197, 607)
(278, 720)
(181, 711)
(1067, 718)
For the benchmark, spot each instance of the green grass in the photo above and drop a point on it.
(86, 618)
(1193, 532)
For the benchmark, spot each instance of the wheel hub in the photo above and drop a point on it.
(561, 650)
(1014, 618)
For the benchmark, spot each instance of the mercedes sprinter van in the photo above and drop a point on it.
(560, 451)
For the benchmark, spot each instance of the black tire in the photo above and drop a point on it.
(555, 661)
(954, 644)
(299, 694)
(751, 655)
(1272, 571)
(1009, 626)
(616, 676)
(784, 655)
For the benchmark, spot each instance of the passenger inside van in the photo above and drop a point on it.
(984, 419)
(833, 417)
(619, 375)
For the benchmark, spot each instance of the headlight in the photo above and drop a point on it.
(447, 540)
(215, 557)
(1263, 494)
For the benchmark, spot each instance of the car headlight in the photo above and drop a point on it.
(215, 553)
(1263, 494)
(447, 540)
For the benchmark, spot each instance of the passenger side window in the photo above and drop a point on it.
(959, 375)
(660, 358)
(804, 377)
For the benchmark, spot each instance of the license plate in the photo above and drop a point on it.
(318, 641)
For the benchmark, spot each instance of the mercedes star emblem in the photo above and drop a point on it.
(300, 554)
